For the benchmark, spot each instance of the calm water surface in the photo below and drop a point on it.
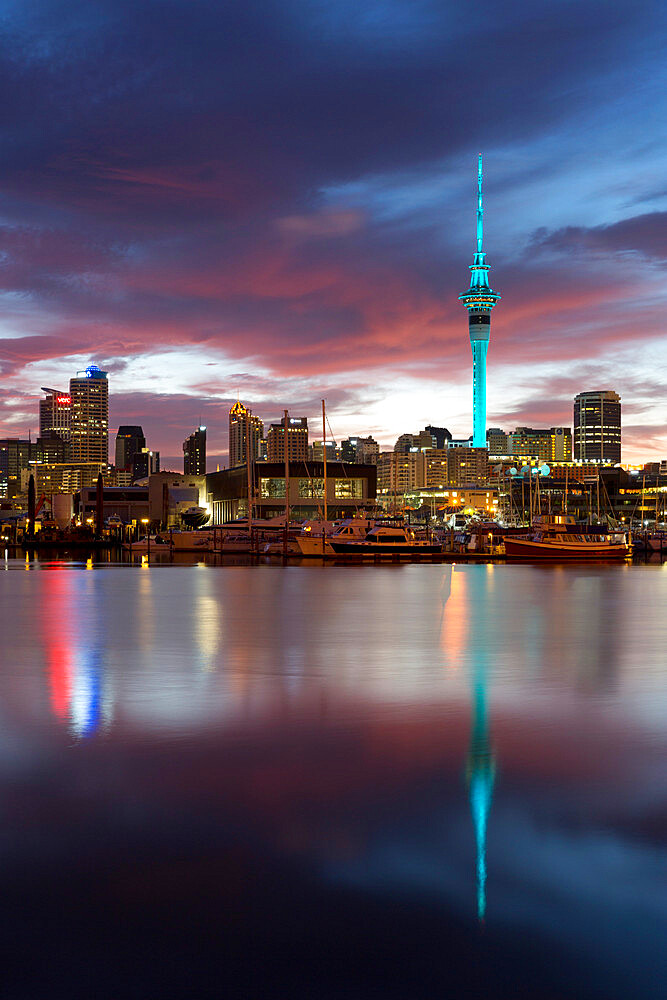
(379, 781)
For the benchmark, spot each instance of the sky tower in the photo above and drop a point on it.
(479, 300)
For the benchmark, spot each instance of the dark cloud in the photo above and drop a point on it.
(645, 235)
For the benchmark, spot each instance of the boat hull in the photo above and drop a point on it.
(525, 548)
(375, 549)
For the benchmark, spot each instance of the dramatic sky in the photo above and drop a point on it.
(276, 198)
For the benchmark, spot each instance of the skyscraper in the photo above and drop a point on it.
(55, 414)
(194, 453)
(89, 424)
(297, 440)
(597, 426)
(237, 434)
(130, 441)
(479, 300)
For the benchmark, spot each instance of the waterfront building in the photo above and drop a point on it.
(194, 453)
(129, 503)
(362, 450)
(479, 300)
(348, 449)
(350, 489)
(67, 477)
(55, 412)
(145, 463)
(316, 451)
(439, 499)
(89, 422)
(16, 454)
(398, 472)
(237, 435)
(52, 448)
(414, 442)
(552, 444)
(367, 451)
(440, 435)
(597, 426)
(171, 494)
(437, 467)
(130, 441)
(467, 466)
(297, 438)
(496, 441)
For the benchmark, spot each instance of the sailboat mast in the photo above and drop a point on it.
(248, 459)
(286, 450)
(324, 456)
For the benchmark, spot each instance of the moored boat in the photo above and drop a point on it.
(554, 537)
(386, 540)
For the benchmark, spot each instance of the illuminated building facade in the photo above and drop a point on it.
(597, 427)
(316, 451)
(363, 450)
(237, 434)
(351, 489)
(414, 442)
(552, 444)
(130, 441)
(297, 438)
(496, 441)
(194, 453)
(145, 463)
(55, 414)
(89, 424)
(479, 300)
(398, 472)
(467, 466)
(15, 457)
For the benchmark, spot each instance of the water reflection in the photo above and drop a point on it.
(73, 631)
(466, 624)
(337, 746)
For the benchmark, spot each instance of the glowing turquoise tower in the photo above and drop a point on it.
(479, 300)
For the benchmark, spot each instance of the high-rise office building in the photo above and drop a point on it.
(479, 300)
(297, 438)
(551, 444)
(89, 424)
(414, 442)
(316, 451)
(496, 441)
(130, 441)
(440, 435)
(237, 435)
(597, 427)
(16, 454)
(194, 453)
(145, 463)
(55, 414)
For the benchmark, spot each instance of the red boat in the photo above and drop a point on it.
(551, 539)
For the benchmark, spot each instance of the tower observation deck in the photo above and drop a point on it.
(479, 300)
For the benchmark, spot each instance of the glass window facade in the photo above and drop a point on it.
(272, 488)
(311, 488)
(349, 489)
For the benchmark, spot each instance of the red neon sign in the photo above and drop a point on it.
(63, 400)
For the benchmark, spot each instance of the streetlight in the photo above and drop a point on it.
(146, 521)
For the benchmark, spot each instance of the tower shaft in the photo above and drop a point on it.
(479, 300)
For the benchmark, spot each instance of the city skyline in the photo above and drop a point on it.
(299, 231)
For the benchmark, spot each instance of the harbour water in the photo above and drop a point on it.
(333, 781)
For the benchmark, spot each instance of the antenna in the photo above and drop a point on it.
(480, 208)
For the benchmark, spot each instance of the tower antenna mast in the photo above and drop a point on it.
(480, 206)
